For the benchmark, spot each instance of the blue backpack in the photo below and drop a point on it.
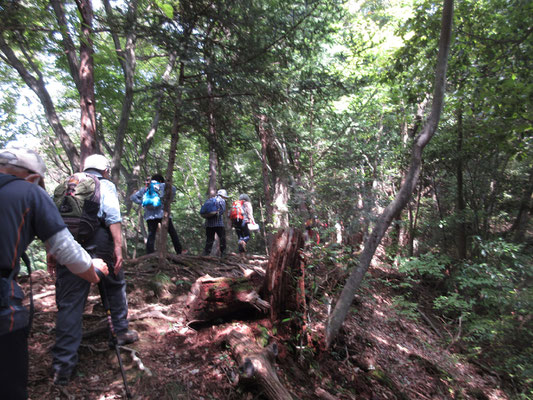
(151, 197)
(210, 208)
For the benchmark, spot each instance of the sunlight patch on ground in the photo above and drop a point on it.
(377, 312)
(403, 349)
(380, 339)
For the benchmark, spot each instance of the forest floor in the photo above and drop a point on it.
(379, 354)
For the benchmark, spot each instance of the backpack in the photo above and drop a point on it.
(237, 210)
(78, 202)
(152, 198)
(210, 208)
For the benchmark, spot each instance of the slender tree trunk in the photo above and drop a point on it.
(167, 198)
(265, 168)
(89, 144)
(213, 134)
(461, 208)
(127, 60)
(68, 43)
(278, 168)
(149, 139)
(520, 225)
(38, 86)
(354, 281)
(413, 222)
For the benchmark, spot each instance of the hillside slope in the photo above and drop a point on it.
(379, 354)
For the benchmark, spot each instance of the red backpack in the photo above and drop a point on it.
(237, 210)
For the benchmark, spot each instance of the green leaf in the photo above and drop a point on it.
(167, 8)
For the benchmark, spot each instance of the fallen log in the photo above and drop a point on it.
(255, 364)
(213, 298)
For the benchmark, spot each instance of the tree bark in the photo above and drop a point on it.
(214, 298)
(88, 144)
(175, 135)
(461, 208)
(255, 363)
(520, 225)
(68, 43)
(38, 86)
(280, 288)
(356, 276)
(278, 170)
(265, 168)
(127, 60)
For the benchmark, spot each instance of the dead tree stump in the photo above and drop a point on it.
(214, 298)
(284, 287)
(255, 363)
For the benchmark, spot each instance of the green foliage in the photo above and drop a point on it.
(488, 298)
(427, 266)
(340, 83)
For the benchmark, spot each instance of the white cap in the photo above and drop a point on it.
(24, 158)
(96, 161)
(222, 193)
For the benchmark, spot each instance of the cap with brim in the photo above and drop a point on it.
(24, 158)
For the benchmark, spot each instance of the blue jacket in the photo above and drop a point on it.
(151, 212)
(218, 220)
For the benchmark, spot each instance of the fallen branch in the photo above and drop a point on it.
(322, 394)
(429, 322)
(136, 359)
(156, 314)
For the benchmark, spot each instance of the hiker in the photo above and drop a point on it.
(27, 212)
(311, 234)
(151, 197)
(215, 224)
(72, 292)
(241, 214)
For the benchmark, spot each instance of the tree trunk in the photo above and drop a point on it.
(520, 225)
(345, 300)
(167, 198)
(255, 363)
(149, 139)
(127, 61)
(267, 187)
(278, 170)
(38, 86)
(280, 288)
(461, 208)
(88, 144)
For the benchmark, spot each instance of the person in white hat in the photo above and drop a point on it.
(71, 292)
(27, 212)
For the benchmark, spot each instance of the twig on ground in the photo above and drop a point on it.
(137, 360)
(429, 322)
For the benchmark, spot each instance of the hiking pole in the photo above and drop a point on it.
(113, 334)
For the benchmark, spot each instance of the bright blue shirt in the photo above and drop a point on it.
(151, 212)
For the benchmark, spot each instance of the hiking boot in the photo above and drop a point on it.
(60, 379)
(242, 246)
(130, 336)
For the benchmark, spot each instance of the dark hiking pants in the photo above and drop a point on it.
(71, 296)
(152, 230)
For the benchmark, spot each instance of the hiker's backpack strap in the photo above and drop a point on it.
(32, 307)
(4, 301)
(4, 180)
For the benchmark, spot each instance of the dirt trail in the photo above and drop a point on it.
(379, 354)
